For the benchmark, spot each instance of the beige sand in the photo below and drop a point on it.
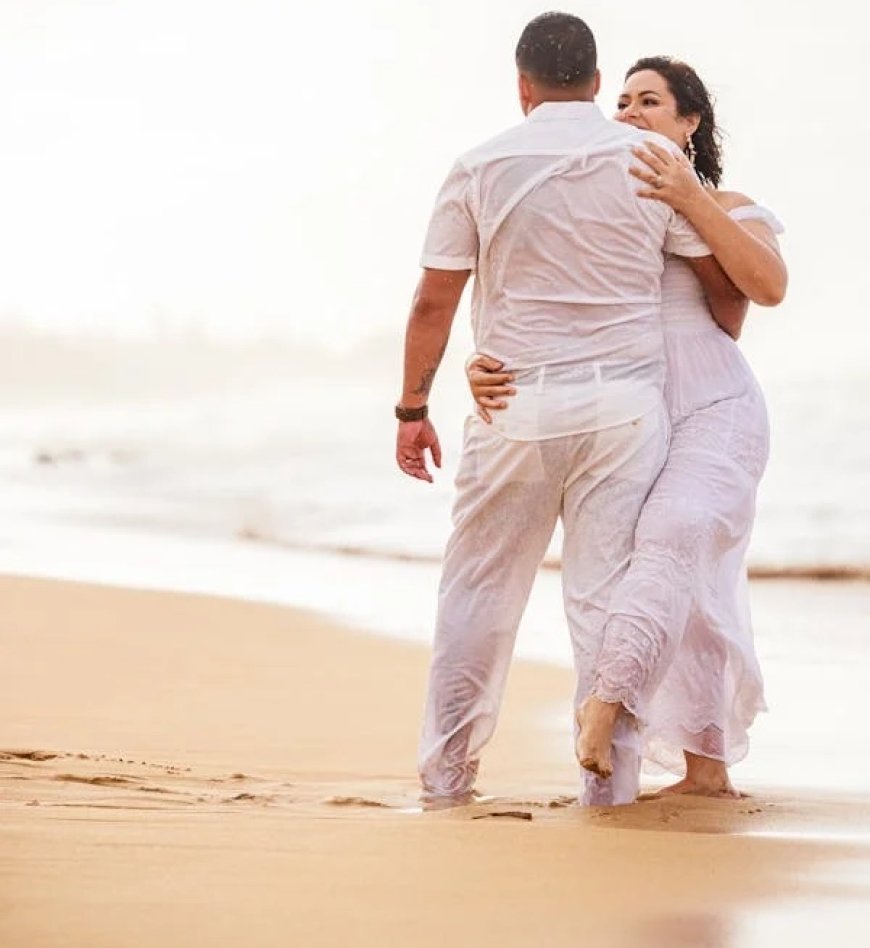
(181, 771)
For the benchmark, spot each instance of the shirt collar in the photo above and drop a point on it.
(565, 111)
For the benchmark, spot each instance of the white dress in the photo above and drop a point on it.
(678, 648)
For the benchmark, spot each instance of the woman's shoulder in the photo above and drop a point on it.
(729, 200)
(743, 208)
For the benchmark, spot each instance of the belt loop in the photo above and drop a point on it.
(596, 368)
(541, 375)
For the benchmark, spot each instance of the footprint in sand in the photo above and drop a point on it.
(250, 798)
(133, 775)
(36, 755)
(559, 802)
(98, 781)
(356, 801)
(509, 814)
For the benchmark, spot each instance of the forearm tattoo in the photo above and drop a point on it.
(426, 382)
(428, 376)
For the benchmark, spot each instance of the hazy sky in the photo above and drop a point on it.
(254, 165)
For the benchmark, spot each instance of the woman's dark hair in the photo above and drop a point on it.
(558, 50)
(692, 99)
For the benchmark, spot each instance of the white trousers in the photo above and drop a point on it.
(510, 495)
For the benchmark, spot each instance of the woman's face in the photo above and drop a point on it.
(646, 102)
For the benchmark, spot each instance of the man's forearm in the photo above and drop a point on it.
(435, 303)
(425, 343)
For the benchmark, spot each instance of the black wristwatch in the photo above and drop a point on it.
(412, 414)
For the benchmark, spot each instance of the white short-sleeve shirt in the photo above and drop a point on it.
(568, 263)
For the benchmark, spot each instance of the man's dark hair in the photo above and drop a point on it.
(558, 51)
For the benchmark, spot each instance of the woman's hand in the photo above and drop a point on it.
(671, 177)
(488, 383)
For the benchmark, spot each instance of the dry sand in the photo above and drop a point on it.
(181, 771)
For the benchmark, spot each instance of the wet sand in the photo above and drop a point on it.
(190, 770)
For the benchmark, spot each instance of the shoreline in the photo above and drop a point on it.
(822, 572)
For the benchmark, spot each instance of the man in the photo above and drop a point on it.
(568, 263)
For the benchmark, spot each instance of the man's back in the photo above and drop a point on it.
(568, 258)
(567, 255)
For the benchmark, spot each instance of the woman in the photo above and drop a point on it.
(686, 583)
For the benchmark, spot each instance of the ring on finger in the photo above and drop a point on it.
(659, 181)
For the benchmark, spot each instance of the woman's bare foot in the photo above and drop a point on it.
(705, 777)
(596, 720)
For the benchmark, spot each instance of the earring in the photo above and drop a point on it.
(690, 151)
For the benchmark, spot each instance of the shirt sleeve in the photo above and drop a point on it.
(682, 239)
(452, 238)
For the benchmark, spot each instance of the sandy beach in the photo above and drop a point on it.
(190, 770)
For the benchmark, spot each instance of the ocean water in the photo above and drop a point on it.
(293, 446)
